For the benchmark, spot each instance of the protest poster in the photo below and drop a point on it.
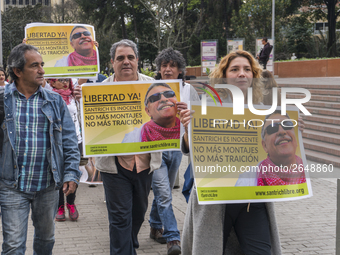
(123, 118)
(208, 55)
(232, 156)
(234, 44)
(67, 49)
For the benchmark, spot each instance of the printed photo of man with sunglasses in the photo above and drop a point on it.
(83, 45)
(282, 166)
(160, 104)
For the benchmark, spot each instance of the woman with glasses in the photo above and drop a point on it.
(210, 229)
(64, 87)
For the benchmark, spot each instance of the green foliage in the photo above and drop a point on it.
(299, 34)
(254, 20)
(103, 73)
(14, 21)
(115, 20)
(148, 72)
(67, 13)
(105, 40)
(326, 10)
(207, 71)
(181, 24)
(214, 19)
(303, 59)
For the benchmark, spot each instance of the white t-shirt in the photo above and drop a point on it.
(72, 107)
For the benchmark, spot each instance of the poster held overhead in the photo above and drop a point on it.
(67, 49)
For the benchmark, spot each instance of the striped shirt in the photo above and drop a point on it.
(32, 142)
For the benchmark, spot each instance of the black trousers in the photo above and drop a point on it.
(127, 201)
(264, 63)
(252, 228)
(69, 199)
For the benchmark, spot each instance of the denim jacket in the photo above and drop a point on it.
(63, 156)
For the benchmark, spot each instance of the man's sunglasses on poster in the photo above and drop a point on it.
(273, 128)
(78, 35)
(157, 96)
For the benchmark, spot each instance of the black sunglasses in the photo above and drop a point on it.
(78, 35)
(157, 96)
(273, 128)
(63, 80)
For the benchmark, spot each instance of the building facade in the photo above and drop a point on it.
(4, 4)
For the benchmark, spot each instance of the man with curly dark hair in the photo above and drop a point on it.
(170, 64)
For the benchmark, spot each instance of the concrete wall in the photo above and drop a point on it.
(195, 71)
(305, 68)
(308, 68)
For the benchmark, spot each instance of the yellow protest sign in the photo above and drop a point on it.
(247, 158)
(123, 118)
(67, 49)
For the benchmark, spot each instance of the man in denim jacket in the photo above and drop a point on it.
(40, 154)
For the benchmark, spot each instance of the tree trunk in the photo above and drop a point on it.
(201, 14)
(331, 45)
(124, 35)
(185, 32)
(134, 18)
(225, 14)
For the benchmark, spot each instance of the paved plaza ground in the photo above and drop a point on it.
(306, 226)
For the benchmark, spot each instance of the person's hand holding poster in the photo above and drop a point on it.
(67, 49)
(130, 117)
(247, 158)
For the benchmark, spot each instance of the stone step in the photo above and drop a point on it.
(312, 86)
(322, 158)
(323, 119)
(323, 104)
(316, 97)
(323, 111)
(329, 92)
(321, 136)
(328, 148)
(326, 92)
(327, 128)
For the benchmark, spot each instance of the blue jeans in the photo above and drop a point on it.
(163, 181)
(15, 207)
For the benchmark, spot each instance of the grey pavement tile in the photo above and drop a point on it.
(306, 226)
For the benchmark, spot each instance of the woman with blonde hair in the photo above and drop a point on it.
(208, 228)
(219, 74)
